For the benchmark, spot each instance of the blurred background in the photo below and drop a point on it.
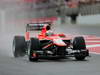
(15, 14)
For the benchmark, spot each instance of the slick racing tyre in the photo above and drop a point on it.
(19, 46)
(34, 46)
(79, 44)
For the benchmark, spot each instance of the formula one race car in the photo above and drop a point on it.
(48, 44)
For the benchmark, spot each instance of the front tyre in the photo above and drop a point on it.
(79, 45)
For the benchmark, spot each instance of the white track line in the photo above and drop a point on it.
(96, 45)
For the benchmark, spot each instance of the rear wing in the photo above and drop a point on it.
(36, 26)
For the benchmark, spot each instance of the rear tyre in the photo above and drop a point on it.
(19, 46)
(79, 44)
(34, 46)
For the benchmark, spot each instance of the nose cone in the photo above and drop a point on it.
(59, 42)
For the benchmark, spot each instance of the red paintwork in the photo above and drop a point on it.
(54, 37)
(27, 36)
(42, 35)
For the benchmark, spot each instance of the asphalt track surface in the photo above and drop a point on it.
(22, 66)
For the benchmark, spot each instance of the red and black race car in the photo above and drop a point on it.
(48, 44)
